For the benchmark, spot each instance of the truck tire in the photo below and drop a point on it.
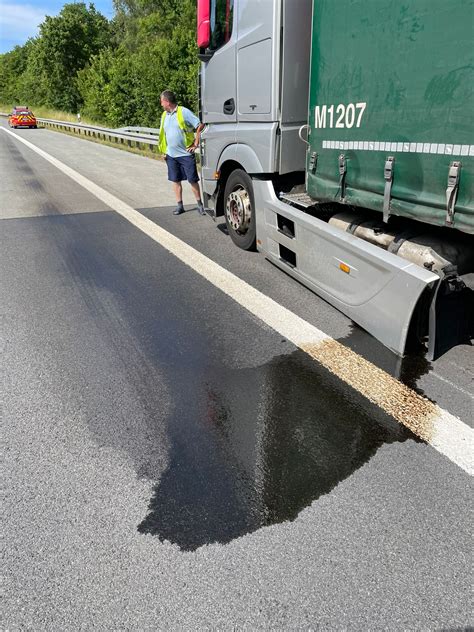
(239, 208)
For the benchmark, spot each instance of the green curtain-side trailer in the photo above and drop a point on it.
(391, 108)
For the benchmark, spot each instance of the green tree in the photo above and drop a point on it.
(108, 88)
(13, 65)
(66, 44)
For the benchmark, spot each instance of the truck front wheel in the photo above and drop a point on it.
(240, 209)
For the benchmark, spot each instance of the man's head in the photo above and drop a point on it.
(168, 100)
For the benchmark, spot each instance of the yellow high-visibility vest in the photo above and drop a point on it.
(188, 134)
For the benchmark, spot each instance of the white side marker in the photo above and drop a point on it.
(446, 433)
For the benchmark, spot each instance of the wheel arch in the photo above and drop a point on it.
(244, 156)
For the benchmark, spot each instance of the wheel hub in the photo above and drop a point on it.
(239, 210)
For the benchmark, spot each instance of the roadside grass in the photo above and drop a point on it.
(67, 117)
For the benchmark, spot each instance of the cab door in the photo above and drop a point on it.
(218, 82)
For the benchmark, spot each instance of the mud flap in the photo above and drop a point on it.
(451, 320)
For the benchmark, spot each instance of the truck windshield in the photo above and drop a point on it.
(222, 12)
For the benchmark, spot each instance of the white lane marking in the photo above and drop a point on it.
(446, 433)
(452, 384)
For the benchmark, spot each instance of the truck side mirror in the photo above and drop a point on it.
(203, 23)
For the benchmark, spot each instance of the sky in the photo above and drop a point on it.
(20, 20)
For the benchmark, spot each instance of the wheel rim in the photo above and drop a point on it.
(239, 210)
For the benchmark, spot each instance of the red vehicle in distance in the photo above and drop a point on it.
(21, 116)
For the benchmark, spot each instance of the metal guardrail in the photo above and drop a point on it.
(131, 135)
(104, 133)
(140, 130)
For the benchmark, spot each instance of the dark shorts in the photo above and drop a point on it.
(182, 168)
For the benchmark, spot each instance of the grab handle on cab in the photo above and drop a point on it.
(300, 133)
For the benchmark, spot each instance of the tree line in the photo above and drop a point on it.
(111, 71)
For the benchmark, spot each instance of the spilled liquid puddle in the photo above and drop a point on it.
(253, 447)
(244, 448)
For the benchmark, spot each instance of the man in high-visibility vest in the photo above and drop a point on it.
(178, 143)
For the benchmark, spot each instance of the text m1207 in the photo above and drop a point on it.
(339, 116)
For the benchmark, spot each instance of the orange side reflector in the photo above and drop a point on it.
(259, 242)
(216, 175)
(345, 268)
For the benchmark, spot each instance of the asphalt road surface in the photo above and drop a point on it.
(173, 463)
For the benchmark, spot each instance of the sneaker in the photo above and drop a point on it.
(178, 210)
(201, 209)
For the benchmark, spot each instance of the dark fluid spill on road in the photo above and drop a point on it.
(256, 447)
(245, 447)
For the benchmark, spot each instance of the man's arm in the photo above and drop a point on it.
(197, 138)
